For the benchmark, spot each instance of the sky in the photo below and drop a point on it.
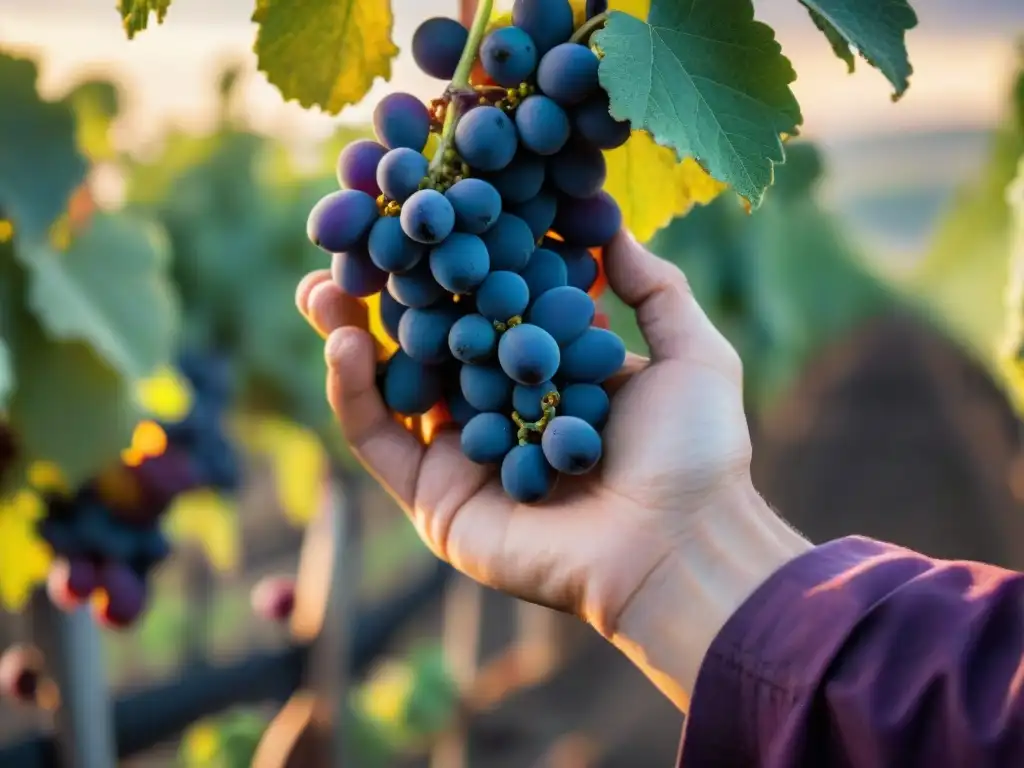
(962, 53)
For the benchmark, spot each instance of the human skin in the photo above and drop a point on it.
(657, 548)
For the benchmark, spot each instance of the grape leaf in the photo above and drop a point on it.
(135, 14)
(107, 290)
(324, 53)
(875, 28)
(1010, 359)
(70, 407)
(707, 80)
(6, 374)
(96, 104)
(24, 557)
(652, 187)
(40, 165)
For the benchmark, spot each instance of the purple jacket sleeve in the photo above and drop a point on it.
(861, 654)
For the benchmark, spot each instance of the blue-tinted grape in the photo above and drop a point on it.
(391, 312)
(460, 409)
(566, 313)
(488, 437)
(528, 354)
(545, 271)
(356, 274)
(585, 401)
(473, 339)
(591, 223)
(437, 46)
(520, 180)
(538, 213)
(571, 445)
(341, 220)
(486, 138)
(400, 173)
(460, 263)
(428, 217)
(357, 166)
(579, 170)
(410, 387)
(526, 401)
(417, 287)
(548, 22)
(593, 358)
(510, 243)
(219, 463)
(508, 56)
(390, 249)
(568, 74)
(580, 265)
(594, 123)
(402, 120)
(502, 296)
(486, 388)
(477, 205)
(543, 125)
(423, 333)
(526, 475)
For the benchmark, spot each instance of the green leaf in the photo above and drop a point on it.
(875, 28)
(324, 53)
(107, 290)
(70, 407)
(40, 165)
(6, 375)
(962, 277)
(135, 14)
(706, 79)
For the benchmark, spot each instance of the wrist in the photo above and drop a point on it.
(670, 622)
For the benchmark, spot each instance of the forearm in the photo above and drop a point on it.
(668, 626)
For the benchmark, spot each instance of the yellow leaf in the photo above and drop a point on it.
(201, 745)
(377, 327)
(166, 395)
(209, 520)
(298, 461)
(385, 695)
(24, 557)
(324, 53)
(652, 187)
(1010, 355)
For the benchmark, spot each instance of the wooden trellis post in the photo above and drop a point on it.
(307, 732)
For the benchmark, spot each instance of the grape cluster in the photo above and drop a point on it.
(484, 259)
(107, 534)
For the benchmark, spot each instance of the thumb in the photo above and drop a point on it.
(666, 310)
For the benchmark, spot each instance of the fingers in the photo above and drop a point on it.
(391, 453)
(306, 286)
(631, 367)
(666, 311)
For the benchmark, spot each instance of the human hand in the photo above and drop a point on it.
(675, 443)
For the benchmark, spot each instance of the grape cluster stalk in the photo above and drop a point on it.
(107, 535)
(486, 258)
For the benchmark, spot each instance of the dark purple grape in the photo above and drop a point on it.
(568, 74)
(579, 170)
(594, 123)
(437, 46)
(124, 595)
(273, 598)
(508, 56)
(402, 121)
(356, 274)
(591, 223)
(341, 220)
(357, 166)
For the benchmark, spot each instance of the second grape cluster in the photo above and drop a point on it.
(484, 259)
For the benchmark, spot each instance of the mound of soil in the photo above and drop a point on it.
(894, 433)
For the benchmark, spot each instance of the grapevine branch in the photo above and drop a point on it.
(582, 35)
(460, 80)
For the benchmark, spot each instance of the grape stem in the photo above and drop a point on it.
(460, 80)
(582, 35)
